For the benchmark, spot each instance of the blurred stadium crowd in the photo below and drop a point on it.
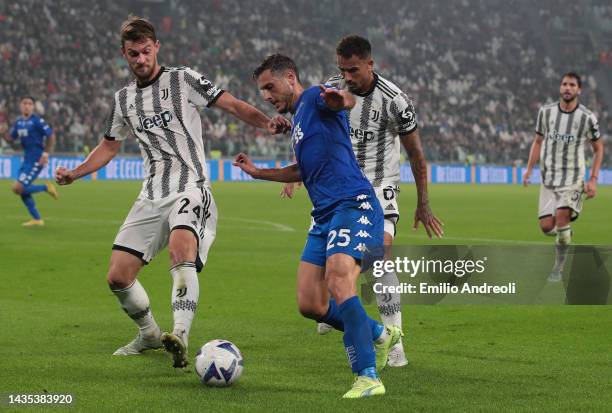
(477, 69)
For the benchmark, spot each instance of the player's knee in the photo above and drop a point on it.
(179, 255)
(17, 188)
(118, 278)
(310, 309)
(338, 283)
(547, 225)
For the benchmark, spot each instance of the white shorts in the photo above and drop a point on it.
(147, 227)
(387, 196)
(552, 199)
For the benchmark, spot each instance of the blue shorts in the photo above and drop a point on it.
(355, 225)
(28, 172)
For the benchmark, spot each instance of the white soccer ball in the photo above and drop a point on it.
(218, 363)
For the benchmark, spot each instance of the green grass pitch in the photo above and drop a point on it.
(60, 323)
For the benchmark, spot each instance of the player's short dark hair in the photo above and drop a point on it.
(24, 97)
(137, 29)
(276, 63)
(354, 45)
(573, 75)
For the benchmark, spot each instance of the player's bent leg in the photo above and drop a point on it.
(134, 301)
(183, 247)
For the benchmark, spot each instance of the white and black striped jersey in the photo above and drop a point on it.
(163, 115)
(562, 162)
(376, 121)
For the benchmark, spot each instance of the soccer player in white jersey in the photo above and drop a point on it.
(562, 130)
(175, 207)
(383, 117)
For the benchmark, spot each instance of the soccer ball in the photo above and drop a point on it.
(218, 363)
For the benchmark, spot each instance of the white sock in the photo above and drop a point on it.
(135, 302)
(389, 305)
(562, 243)
(185, 294)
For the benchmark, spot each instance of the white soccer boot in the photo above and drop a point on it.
(139, 344)
(323, 328)
(397, 357)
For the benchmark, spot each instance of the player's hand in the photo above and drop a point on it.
(591, 189)
(526, 176)
(243, 162)
(334, 98)
(44, 159)
(430, 222)
(289, 189)
(63, 176)
(279, 124)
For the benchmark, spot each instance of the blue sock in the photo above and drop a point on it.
(357, 335)
(31, 205)
(369, 371)
(333, 316)
(32, 189)
(333, 319)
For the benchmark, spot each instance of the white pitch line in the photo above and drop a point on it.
(276, 225)
(271, 226)
(489, 240)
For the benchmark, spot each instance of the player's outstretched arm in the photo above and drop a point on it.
(251, 115)
(100, 156)
(423, 214)
(598, 152)
(289, 173)
(534, 157)
(337, 100)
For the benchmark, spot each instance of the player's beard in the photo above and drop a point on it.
(142, 78)
(353, 88)
(569, 100)
(287, 98)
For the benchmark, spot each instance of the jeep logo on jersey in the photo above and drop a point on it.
(562, 137)
(157, 120)
(361, 135)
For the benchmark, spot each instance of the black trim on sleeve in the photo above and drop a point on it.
(212, 102)
(403, 134)
(539, 133)
(109, 138)
(135, 253)
(544, 216)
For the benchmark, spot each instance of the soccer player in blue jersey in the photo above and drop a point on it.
(347, 215)
(37, 140)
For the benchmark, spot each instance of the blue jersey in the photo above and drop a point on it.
(322, 144)
(32, 132)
